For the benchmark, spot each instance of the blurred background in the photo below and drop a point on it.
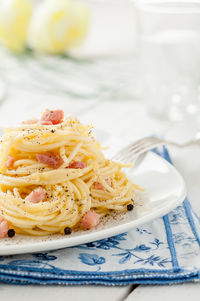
(100, 67)
(78, 54)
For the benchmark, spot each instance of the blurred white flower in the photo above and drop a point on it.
(58, 25)
(14, 20)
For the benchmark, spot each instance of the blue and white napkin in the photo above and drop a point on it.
(166, 250)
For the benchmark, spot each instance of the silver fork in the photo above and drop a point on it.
(141, 146)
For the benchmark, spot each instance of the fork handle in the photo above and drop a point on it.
(186, 144)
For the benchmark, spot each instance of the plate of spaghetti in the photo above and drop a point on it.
(57, 189)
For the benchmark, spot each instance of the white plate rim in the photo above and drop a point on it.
(95, 235)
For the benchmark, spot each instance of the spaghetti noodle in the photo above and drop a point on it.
(54, 175)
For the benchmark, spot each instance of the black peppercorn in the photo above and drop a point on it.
(67, 230)
(11, 233)
(130, 207)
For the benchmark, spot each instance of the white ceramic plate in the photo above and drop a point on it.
(165, 189)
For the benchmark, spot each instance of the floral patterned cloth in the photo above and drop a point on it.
(166, 250)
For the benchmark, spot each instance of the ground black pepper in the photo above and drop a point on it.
(67, 230)
(11, 233)
(130, 207)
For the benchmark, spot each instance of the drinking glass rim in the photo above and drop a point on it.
(168, 6)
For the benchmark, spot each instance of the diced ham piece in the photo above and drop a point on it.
(90, 220)
(4, 227)
(45, 122)
(55, 116)
(99, 186)
(30, 121)
(54, 161)
(37, 195)
(77, 164)
(10, 161)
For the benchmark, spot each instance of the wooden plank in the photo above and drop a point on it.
(183, 292)
(52, 293)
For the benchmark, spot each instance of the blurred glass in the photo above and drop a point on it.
(3, 91)
(169, 50)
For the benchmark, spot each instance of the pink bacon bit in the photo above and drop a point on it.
(4, 227)
(90, 220)
(30, 121)
(53, 161)
(77, 165)
(99, 186)
(55, 116)
(10, 161)
(37, 195)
